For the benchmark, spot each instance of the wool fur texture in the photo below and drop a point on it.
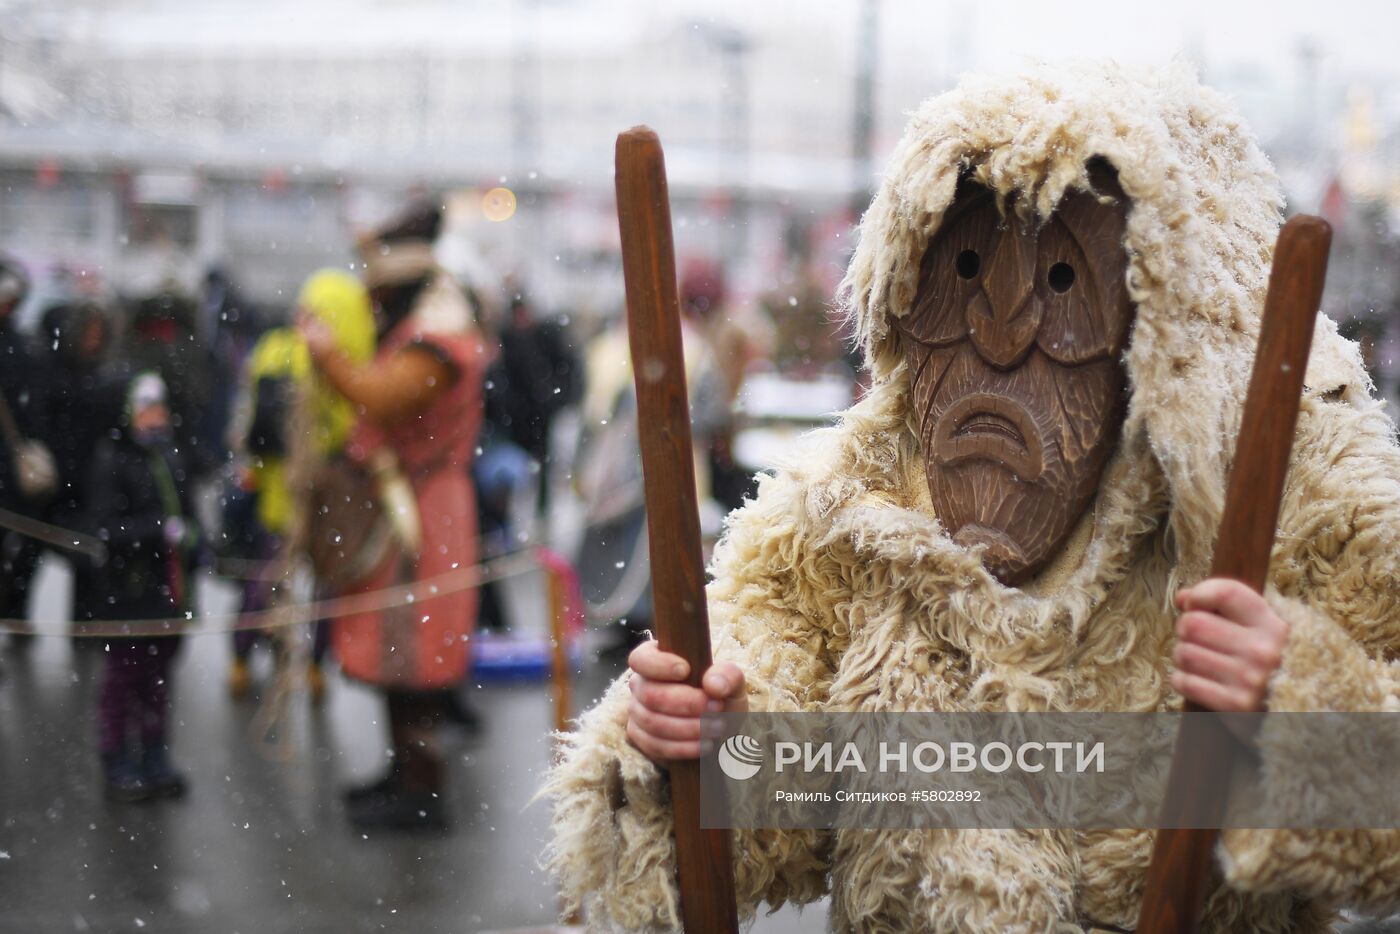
(837, 589)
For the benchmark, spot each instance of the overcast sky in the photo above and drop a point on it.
(1352, 34)
(1355, 33)
(1248, 47)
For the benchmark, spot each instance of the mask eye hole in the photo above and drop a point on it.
(1061, 277)
(968, 264)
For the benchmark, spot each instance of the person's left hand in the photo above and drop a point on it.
(1229, 642)
(320, 339)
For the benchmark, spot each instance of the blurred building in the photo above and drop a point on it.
(152, 135)
(143, 140)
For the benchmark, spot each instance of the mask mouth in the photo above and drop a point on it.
(993, 429)
(989, 423)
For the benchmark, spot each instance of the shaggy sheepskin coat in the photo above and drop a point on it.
(837, 588)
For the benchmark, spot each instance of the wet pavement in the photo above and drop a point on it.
(261, 844)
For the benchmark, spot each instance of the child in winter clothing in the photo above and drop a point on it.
(135, 490)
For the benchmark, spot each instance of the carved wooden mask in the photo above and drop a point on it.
(1014, 342)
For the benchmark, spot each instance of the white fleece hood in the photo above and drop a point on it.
(1205, 212)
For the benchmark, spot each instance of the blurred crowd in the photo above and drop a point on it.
(390, 428)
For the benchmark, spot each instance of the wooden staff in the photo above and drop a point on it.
(673, 522)
(1180, 875)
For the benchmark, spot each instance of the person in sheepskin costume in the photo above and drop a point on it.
(838, 588)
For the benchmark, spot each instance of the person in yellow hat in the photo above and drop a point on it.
(278, 368)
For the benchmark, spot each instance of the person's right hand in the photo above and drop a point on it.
(319, 337)
(663, 720)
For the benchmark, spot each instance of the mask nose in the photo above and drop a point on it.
(1002, 318)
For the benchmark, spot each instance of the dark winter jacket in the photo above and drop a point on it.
(84, 405)
(132, 493)
(537, 374)
(25, 387)
(163, 339)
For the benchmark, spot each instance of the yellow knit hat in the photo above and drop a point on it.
(340, 300)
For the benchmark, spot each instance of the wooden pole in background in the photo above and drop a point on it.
(703, 859)
(1181, 874)
(561, 677)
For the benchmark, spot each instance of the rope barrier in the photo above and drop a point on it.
(290, 614)
(55, 536)
(269, 728)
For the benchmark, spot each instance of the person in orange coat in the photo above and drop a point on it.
(420, 406)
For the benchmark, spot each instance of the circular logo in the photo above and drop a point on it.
(740, 757)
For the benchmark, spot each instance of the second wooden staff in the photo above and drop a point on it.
(703, 860)
(1180, 875)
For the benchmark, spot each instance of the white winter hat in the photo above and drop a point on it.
(147, 389)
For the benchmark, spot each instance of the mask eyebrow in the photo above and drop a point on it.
(1088, 248)
(968, 197)
(1096, 231)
